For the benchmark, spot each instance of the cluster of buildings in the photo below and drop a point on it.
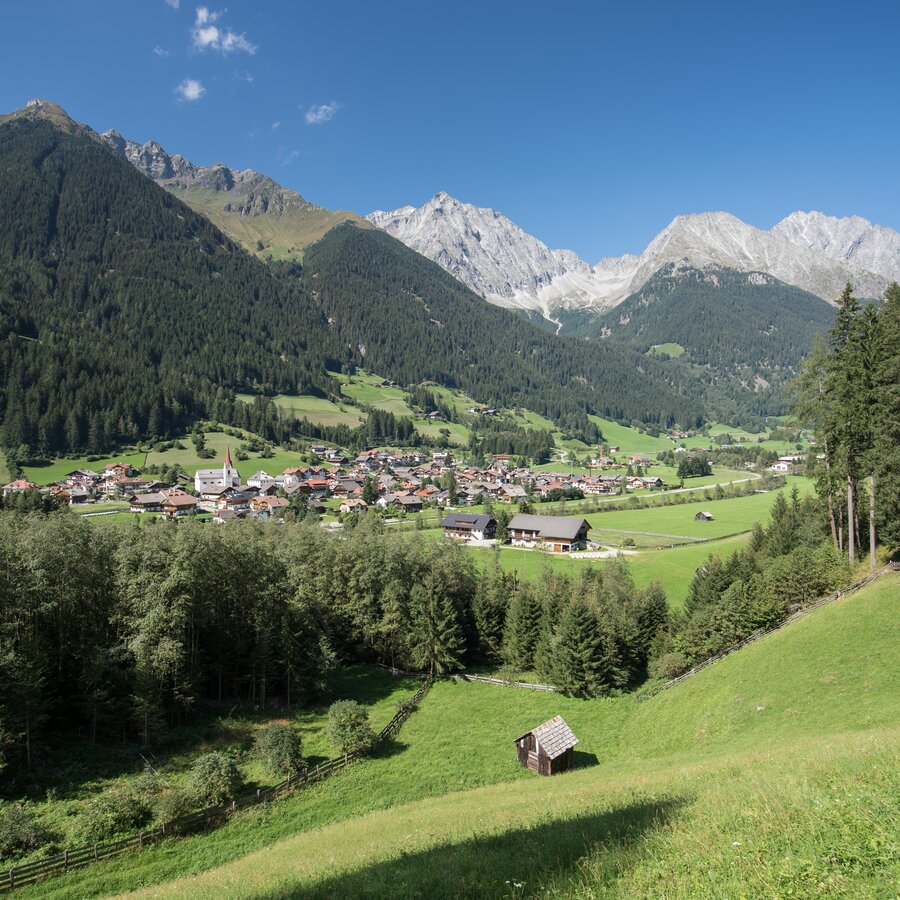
(398, 482)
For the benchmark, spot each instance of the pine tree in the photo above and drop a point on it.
(586, 660)
(437, 633)
(523, 628)
(886, 420)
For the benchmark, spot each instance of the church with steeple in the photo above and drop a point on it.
(227, 476)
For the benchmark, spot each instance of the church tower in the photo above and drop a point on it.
(230, 477)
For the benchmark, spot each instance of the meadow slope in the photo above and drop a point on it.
(772, 772)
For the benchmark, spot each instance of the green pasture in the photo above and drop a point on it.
(731, 516)
(219, 441)
(318, 410)
(771, 773)
(669, 349)
(59, 468)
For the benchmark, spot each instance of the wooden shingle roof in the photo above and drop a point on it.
(555, 737)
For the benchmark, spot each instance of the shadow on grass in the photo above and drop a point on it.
(582, 760)
(521, 863)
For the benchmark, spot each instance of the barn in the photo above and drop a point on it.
(704, 516)
(547, 749)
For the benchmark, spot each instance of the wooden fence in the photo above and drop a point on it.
(764, 631)
(501, 681)
(204, 819)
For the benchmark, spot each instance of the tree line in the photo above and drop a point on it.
(116, 633)
(849, 393)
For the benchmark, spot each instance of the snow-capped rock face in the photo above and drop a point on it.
(511, 268)
(486, 251)
(253, 194)
(720, 240)
(851, 239)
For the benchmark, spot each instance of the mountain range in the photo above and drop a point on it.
(126, 315)
(511, 268)
(333, 290)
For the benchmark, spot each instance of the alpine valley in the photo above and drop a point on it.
(737, 307)
(742, 306)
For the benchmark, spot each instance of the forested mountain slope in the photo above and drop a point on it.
(123, 314)
(744, 334)
(410, 318)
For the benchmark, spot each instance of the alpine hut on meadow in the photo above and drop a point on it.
(547, 749)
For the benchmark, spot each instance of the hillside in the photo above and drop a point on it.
(740, 333)
(262, 216)
(124, 314)
(411, 320)
(772, 771)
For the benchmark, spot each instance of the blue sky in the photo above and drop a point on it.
(589, 124)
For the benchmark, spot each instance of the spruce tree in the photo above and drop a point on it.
(586, 660)
(886, 422)
(437, 633)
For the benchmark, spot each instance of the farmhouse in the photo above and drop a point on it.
(469, 526)
(547, 749)
(177, 505)
(18, 486)
(704, 516)
(558, 534)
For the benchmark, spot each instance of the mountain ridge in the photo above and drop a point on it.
(813, 252)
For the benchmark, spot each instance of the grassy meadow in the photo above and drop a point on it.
(318, 410)
(771, 773)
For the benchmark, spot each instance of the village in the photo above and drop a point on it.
(394, 485)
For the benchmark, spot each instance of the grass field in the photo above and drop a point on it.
(772, 773)
(218, 441)
(673, 568)
(59, 468)
(317, 410)
(670, 349)
(630, 440)
(731, 516)
(365, 389)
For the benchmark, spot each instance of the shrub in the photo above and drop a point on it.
(20, 830)
(278, 746)
(215, 777)
(669, 665)
(172, 805)
(112, 813)
(348, 727)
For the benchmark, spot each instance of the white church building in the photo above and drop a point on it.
(227, 476)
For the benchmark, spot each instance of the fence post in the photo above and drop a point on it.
(306, 773)
(258, 792)
(234, 805)
(95, 853)
(289, 781)
(65, 859)
(141, 839)
(12, 878)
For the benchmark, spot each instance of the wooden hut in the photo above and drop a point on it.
(547, 749)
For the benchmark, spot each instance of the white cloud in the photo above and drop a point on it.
(161, 51)
(276, 126)
(324, 112)
(291, 157)
(190, 89)
(207, 35)
(173, 3)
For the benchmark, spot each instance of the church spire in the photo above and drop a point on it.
(228, 457)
